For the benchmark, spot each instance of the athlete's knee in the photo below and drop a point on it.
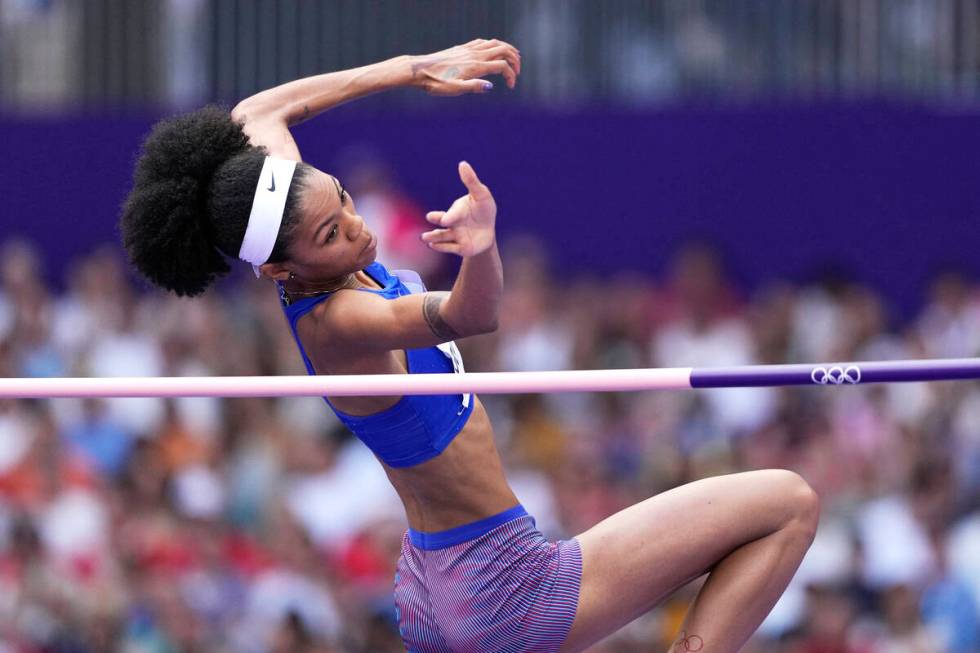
(802, 501)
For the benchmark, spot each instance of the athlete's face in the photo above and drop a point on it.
(331, 239)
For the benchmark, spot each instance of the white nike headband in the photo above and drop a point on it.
(267, 208)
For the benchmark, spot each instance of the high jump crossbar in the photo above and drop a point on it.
(622, 380)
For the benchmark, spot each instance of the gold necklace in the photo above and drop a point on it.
(349, 282)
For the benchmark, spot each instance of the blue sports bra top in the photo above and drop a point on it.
(416, 428)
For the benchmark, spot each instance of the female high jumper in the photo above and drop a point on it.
(474, 575)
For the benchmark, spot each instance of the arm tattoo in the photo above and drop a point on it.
(430, 311)
(306, 111)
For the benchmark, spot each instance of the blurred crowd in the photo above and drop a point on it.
(261, 525)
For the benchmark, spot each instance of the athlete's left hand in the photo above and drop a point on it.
(467, 228)
(459, 69)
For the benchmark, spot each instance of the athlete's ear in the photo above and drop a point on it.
(275, 271)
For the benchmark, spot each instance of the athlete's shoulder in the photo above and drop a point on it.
(345, 307)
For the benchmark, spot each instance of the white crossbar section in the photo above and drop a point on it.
(354, 385)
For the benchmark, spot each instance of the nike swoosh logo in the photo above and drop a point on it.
(272, 188)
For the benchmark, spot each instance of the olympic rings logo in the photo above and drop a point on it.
(688, 644)
(836, 375)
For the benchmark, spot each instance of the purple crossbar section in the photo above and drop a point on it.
(837, 373)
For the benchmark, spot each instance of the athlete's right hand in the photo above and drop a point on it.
(467, 228)
(460, 69)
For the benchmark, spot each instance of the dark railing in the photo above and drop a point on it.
(65, 54)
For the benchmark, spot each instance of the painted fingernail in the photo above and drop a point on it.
(487, 86)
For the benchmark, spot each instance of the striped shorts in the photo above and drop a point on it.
(493, 586)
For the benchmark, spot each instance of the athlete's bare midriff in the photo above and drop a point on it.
(463, 484)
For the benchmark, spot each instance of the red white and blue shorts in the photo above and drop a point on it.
(493, 586)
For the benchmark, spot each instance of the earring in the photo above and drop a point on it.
(292, 276)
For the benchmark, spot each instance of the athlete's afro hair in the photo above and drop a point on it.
(191, 198)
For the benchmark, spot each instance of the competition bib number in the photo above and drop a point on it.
(452, 353)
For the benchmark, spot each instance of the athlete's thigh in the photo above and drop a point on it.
(635, 558)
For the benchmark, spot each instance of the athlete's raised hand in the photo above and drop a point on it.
(467, 228)
(460, 69)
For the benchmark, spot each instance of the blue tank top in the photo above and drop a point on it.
(416, 428)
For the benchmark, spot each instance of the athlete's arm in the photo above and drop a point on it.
(267, 116)
(363, 321)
